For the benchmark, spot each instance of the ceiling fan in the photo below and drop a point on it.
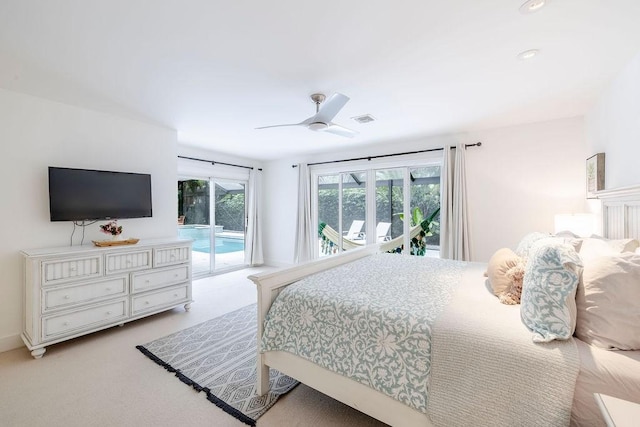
(321, 121)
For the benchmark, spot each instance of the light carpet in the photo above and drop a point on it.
(218, 357)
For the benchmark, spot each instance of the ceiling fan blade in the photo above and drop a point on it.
(331, 107)
(278, 126)
(339, 130)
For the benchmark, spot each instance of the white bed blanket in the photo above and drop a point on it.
(487, 372)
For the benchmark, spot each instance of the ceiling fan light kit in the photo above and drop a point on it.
(326, 110)
(317, 126)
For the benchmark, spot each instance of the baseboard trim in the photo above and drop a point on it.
(10, 342)
(277, 264)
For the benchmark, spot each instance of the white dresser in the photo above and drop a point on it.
(73, 291)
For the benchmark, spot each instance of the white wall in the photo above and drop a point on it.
(520, 178)
(207, 169)
(613, 127)
(280, 203)
(517, 181)
(37, 133)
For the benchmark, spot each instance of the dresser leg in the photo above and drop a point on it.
(38, 352)
(187, 307)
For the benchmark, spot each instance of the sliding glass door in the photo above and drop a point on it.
(230, 224)
(389, 203)
(194, 221)
(216, 224)
(425, 203)
(357, 207)
(342, 207)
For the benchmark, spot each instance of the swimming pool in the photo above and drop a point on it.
(201, 242)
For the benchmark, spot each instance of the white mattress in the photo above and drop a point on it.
(615, 373)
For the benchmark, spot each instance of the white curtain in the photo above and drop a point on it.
(454, 219)
(253, 249)
(305, 236)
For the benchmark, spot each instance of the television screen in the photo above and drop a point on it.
(82, 194)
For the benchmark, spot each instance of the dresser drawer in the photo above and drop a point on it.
(147, 280)
(65, 324)
(159, 299)
(118, 262)
(170, 256)
(68, 296)
(69, 270)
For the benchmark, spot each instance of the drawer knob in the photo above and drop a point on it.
(108, 313)
(67, 297)
(146, 302)
(65, 324)
(108, 289)
(175, 295)
(147, 281)
(175, 275)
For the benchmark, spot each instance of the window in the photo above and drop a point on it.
(356, 206)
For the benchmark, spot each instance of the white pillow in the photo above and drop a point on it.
(620, 245)
(608, 302)
(594, 247)
(524, 247)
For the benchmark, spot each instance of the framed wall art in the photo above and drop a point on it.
(595, 175)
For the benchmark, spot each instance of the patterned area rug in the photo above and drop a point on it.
(218, 357)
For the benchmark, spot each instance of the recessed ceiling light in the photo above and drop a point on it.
(531, 6)
(528, 54)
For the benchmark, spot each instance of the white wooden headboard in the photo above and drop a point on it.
(621, 212)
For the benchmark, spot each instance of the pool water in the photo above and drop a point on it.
(201, 243)
(223, 245)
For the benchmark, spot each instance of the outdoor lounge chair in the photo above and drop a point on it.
(382, 231)
(354, 230)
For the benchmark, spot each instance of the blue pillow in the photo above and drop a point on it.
(548, 305)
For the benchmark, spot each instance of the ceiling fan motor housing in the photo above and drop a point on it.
(318, 98)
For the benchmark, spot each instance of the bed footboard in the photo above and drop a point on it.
(269, 285)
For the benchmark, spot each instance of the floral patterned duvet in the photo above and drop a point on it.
(369, 320)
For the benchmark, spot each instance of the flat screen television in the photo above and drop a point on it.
(83, 194)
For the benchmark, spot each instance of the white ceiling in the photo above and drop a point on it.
(214, 70)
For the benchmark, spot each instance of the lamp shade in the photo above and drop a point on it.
(582, 224)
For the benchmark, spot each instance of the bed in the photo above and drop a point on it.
(482, 367)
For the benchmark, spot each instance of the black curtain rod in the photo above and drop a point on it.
(218, 163)
(477, 144)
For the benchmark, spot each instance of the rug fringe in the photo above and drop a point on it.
(210, 396)
(230, 409)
